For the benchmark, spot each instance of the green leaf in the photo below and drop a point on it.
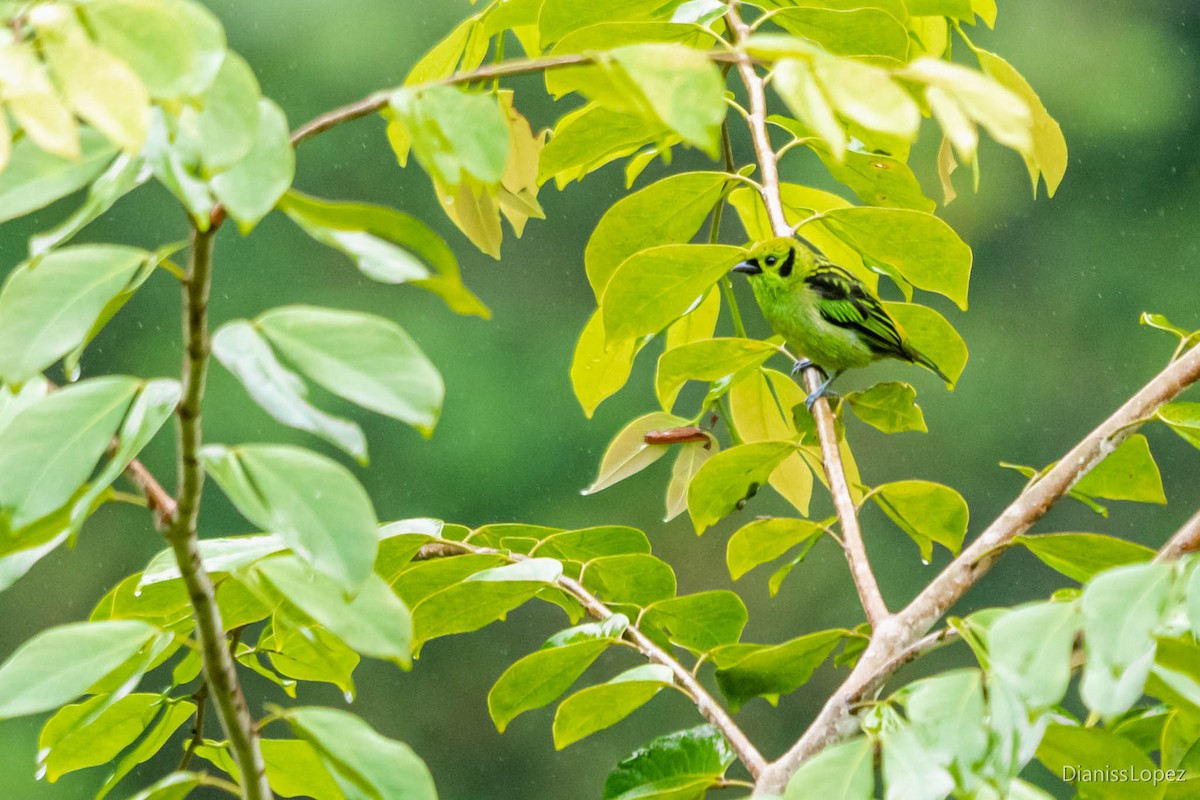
(1030, 651)
(313, 503)
(848, 29)
(1089, 752)
(929, 332)
(761, 407)
(560, 17)
(540, 678)
(366, 359)
(628, 453)
(362, 762)
(122, 176)
(793, 79)
(878, 179)
(34, 178)
(481, 598)
(1174, 678)
(175, 168)
(600, 367)
(707, 360)
(692, 456)
(77, 738)
(1082, 556)
(588, 138)
(374, 623)
(219, 555)
(1127, 473)
(842, 772)
(423, 578)
(890, 407)
(35, 104)
(728, 478)
(388, 246)
(154, 740)
(225, 130)
(1048, 159)
(63, 662)
(682, 87)
(655, 286)
(250, 188)
(679, 766)
(304, 653)
(700, 622)
(750, 670)
(281, 392)
(48, 307)
(1184, 419)
(50, 449)
(155, 404)
(765, 540)
(923, 249)
(867, 95)
(636, 578)
(1122, 608)
(175, 786)
(928, 512)
(947, 731)
(588, 543)
(294, 768)
(962, 97)
(97, 85)
(155, 41)
(641, 220)
(598, 707)
(455, 133)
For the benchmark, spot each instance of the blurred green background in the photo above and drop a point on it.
(1053, 334)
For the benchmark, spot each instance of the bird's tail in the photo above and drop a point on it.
(917, 357)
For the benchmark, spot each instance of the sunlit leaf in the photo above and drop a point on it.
(598, 707)
(314, 504)
(729, 477)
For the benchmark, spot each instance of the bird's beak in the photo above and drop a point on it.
(749, 267)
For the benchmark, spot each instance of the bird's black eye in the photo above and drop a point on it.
(771, 261)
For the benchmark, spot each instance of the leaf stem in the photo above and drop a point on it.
(181, 531)
(856, 554)
(705, 703)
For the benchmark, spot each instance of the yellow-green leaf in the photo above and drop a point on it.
(727, 479)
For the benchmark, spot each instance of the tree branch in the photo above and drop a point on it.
(836, 722)
(856, 553)
(517, 66)
(706, 704)
(1186, 540)
(219, 671)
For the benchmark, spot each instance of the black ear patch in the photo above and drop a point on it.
(788, 263)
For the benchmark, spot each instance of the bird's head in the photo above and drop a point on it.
(773, 263)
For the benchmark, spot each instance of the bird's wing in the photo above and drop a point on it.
(844, 301)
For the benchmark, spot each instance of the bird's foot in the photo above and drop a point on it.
(802, 365)
(821, 391)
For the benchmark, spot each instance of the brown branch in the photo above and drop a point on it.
(835, 473)
(836, 721)
(1186, 540)
(705, 703)
(518, 66)
(181, 532)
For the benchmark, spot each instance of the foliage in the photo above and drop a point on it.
(107, 95)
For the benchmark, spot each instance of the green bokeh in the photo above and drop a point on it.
(1055, 346)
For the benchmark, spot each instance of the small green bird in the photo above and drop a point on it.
(824, 312)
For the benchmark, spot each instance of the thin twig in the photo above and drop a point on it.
(1186, 540)
(518, 66)
(835, 721)
(219, 671)
(856, 552)
(705, 703)
(200, 698)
